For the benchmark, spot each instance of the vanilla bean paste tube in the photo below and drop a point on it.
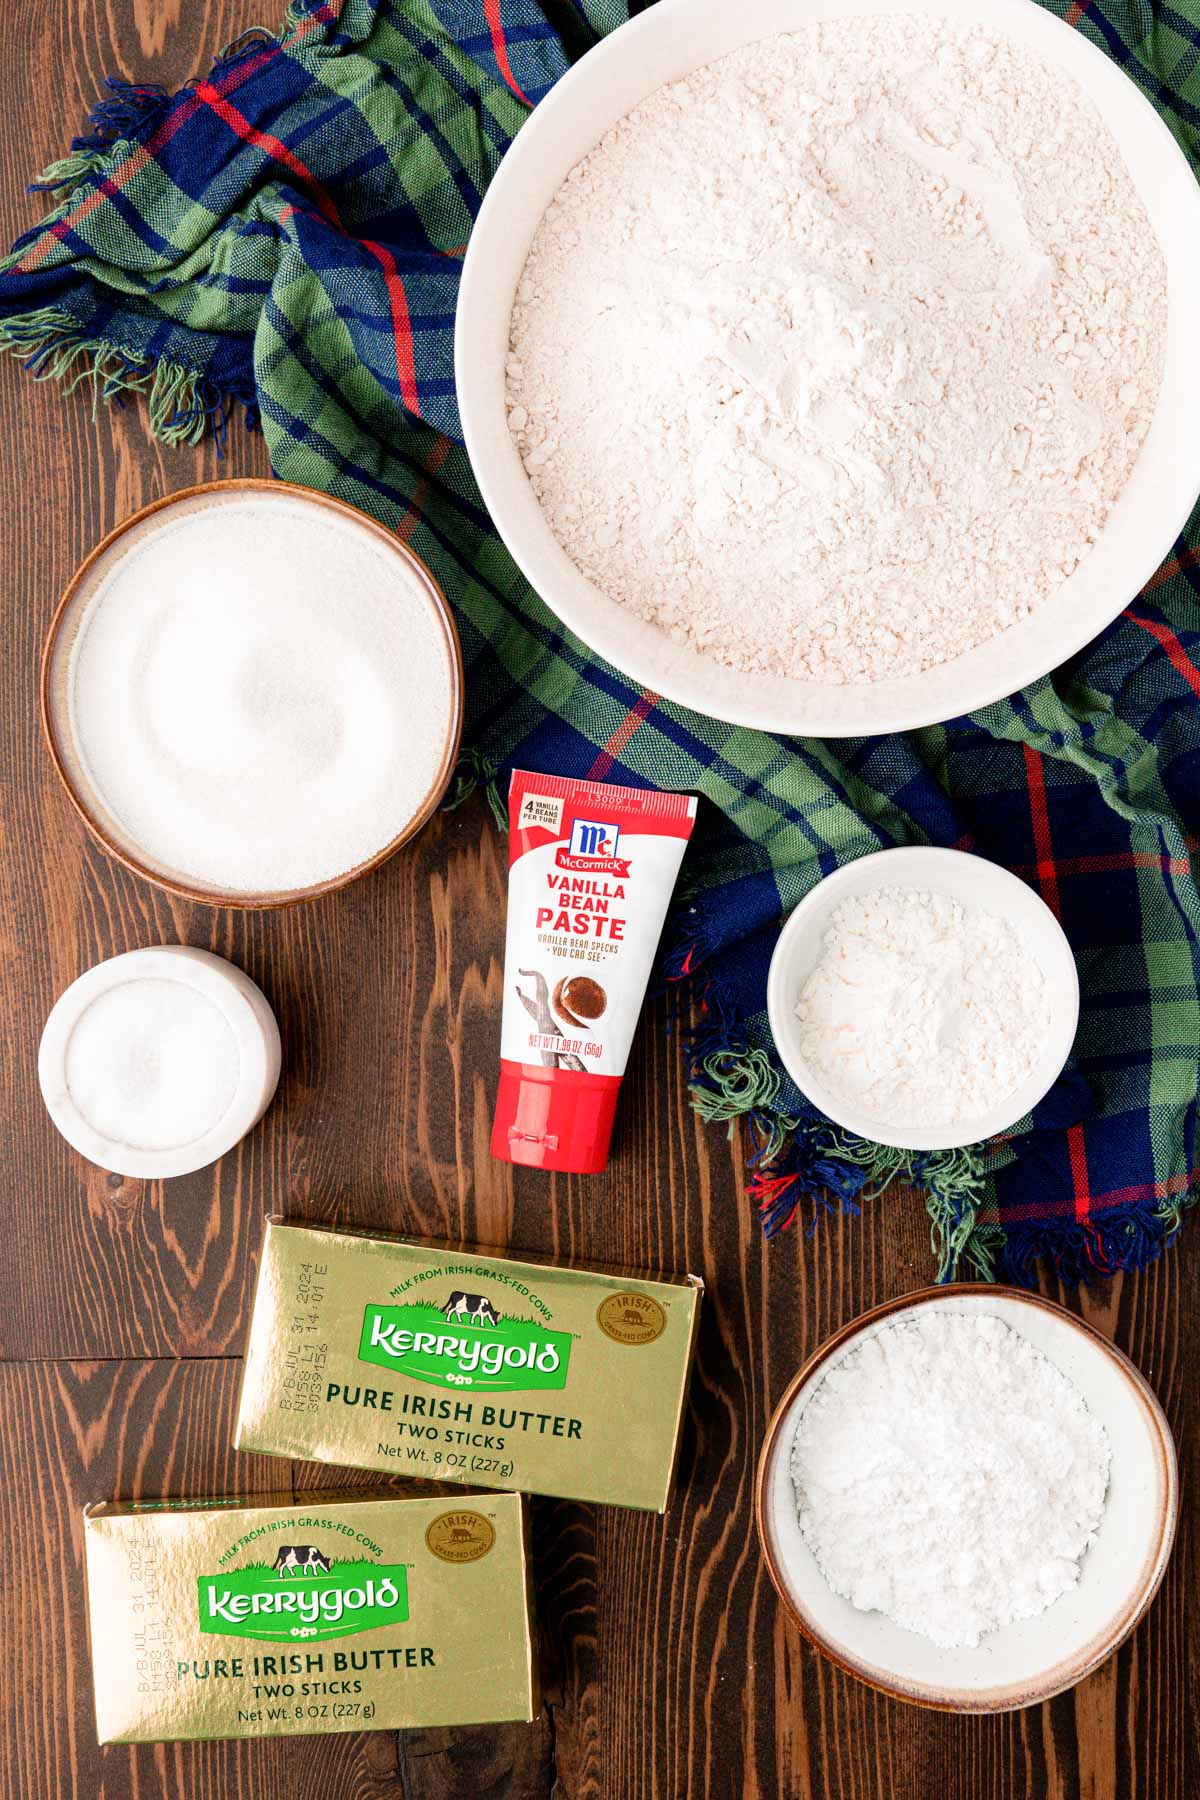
(591, 871)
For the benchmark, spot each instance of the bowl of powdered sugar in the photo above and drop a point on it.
(826, 364)
(923, 998)
(253, 693)
(968, 1498)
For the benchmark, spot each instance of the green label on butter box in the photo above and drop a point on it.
(303, 1596)
(491, 1352)
(214, 1619)
(265, 1616)
(454, 1364)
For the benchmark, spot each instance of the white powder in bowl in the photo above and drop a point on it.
(832, 358)
(152, 1065)
(922, 1011)
(260, 693)
(948, 1475)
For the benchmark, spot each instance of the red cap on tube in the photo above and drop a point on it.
(554, 1118)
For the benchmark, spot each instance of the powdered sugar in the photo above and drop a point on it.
(920, 1010)
(832, 358)
(948, 1475)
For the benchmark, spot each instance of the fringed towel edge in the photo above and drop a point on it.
(183, 404)
(796, 1162)
(476, 773)
(1125, 1238)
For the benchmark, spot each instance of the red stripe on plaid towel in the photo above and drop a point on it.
(1026, 1211)
(1171, 644)
(270, 145)
(414, 513)
(328, 14)
(1077, 1150)
(491, 12)
(1116, 863)
(634, 719)
(1174, 565)
(1076, 11)
(406, 368)
(137, 160)
(1045, 869)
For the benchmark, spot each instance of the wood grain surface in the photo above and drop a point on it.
(669, 1669)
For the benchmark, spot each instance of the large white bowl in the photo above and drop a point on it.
(1035, 1658)
(661, 45)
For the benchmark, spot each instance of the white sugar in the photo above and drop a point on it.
(260, 693)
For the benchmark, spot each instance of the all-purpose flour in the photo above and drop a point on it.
(920, 1010)
(948, 1475)
(832, 358)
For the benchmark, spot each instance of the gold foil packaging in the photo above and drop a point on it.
(460, 1365)
(280, 1616)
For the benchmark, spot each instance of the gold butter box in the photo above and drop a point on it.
(272, 1616)
(468, 1365)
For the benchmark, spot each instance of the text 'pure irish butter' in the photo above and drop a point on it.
(464, 1365)
(264, 1617)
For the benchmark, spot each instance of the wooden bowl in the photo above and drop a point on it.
(90, 804)
(1033, 1659)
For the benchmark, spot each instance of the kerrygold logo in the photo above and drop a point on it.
(303, 1596)
(465, 1343)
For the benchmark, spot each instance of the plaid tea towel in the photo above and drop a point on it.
(288, 233)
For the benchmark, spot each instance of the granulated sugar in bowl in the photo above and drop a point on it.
(823, 362)
(253, 693)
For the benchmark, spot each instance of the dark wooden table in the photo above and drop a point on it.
(669, 1669)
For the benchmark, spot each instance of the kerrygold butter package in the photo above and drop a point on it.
(269, 1616)
(460, 1365)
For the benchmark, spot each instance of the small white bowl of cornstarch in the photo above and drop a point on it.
(923, 998)
(967, 1498)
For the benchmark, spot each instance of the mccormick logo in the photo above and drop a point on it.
(486, 1350)
(593, 848)
(301, 1596)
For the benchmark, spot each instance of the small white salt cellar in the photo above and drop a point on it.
(157, 1062)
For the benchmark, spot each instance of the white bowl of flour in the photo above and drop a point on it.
(968, 1498)
(924, 998)
(843, 386)
(253, 693)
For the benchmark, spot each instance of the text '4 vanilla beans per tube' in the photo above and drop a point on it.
(591, 871)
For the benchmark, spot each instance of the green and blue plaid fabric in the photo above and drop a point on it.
(287, 233)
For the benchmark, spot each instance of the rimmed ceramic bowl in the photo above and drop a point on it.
(210, 984)
(414, 583)
(1034, 1659)
(974, 882)
(661, 45)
